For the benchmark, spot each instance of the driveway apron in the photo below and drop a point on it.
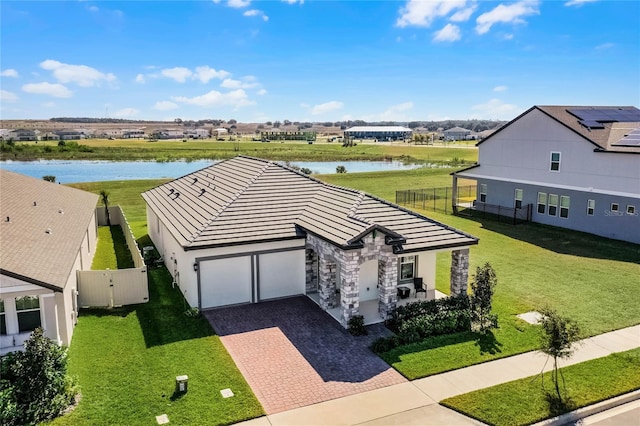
(293, 354)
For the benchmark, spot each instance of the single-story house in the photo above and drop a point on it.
(47, 233)
(456, 134)
(68, 134)
(246, 230)
(575, 167)
(382, 133)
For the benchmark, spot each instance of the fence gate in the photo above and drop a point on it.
(112, 288)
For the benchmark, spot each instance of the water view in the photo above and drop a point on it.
(73, 171)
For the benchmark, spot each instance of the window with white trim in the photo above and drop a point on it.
(631, 210)
(407, 267)
(28, 309)
(555, 162)
(3, 320)
(542, 202)
(614, 207)
(564, 206)
(483, 192)
(591, 207)
(518, 198)
(553, 204)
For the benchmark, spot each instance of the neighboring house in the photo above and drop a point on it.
(132, 133)
(112, 133)
(198, 133)
(384, 133)
(66, 135)
(47, 233)
(246, 230)
(22, 135)
(170, 134)
(456, 134)
(578, 166)
(220, 131)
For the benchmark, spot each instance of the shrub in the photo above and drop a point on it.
(483, 285)
(341, 169)
(35, 386)
(356, 326)
(306, 171)
(384, 344)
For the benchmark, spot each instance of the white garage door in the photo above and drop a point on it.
(281, 274)
(225, 281)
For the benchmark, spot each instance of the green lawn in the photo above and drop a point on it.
(523, 402)
(112, 251)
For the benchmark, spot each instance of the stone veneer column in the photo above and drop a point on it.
(459, 272)
(387, 282)
(311, 271)
(349, 285)
(327, 282)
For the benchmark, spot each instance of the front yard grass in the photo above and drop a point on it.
(126, 360)
(524, 401)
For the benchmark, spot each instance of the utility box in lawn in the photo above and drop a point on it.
(182, 383)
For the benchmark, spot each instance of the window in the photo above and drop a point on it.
(553, 204)
(542, 202)
(591, 207)
(28, 308)
(631, 209)
(3, 322)
(555, 162)
(614, 207)
(407, 267)
(483, 193)
(518, 198)
(564, 206)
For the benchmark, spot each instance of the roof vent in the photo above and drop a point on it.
(177, 194)
(202, 191)
(48, 231)
(35, 204)
(195, 179)
(171, 191)
(8, 219)
(61, 211)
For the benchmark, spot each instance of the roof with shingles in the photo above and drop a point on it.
(247, 200)
(34, 206)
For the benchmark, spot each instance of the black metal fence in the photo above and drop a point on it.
(500, 213)
(436, 199)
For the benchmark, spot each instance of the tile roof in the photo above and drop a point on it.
(46, 225)
(246, 200)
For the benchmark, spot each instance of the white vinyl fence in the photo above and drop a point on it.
(115, 287)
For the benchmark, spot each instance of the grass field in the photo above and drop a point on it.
(112, 251)
(523, 402)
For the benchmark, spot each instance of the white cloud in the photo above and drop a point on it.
(49, 104)
(500, 88)
(248, 82)
(262, 92)
(395, 112)
(422, 13)
(605, 46)
(578, 2)
(93, 9)
(512, 13)
(140, 79)
(165, 106)
(326, 107)
(10, 72)
(449, 33)
(81, 75)
(238, 4)
(293, 1)
(495, 109)
(126, 112)
(179, 74)
(464, 14)
(55, 90)
(6, 96)
(256, 12)
(236, 98)
(204, 74)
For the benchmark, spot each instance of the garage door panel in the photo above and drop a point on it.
(281, 274)
(225, 281)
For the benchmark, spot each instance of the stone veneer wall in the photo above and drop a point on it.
(459, 271)
(311, 271)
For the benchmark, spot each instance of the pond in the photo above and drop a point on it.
(73, 171)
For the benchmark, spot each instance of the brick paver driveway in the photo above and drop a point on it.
(294, 354)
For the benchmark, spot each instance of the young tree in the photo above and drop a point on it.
(558, 336)
(104, 196)
(483, 285)
(49, 178)
(341, 169)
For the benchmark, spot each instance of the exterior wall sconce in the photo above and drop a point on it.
(195, 267)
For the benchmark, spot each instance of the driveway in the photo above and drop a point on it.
(293, 354)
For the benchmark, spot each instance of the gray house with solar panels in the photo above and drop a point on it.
(381, 133)
(576, 167)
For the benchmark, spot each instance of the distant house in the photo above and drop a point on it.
(22, 135)
(247, 230)
(68, 134)
(132, 133)
(170, 134)
(577, 166)
(381, 133)
(112, 133)
(197, 133)
(220, 131)
(456, 134)
(47, 233)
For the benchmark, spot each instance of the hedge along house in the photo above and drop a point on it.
(47, 233)
(247, 230)
(578, 167)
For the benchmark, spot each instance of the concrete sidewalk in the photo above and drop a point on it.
(416, 403)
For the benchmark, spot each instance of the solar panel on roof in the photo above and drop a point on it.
(607, 115)
(632, 139)
(592, 124)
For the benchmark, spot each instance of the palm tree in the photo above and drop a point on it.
(104, 196)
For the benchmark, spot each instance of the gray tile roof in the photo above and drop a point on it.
(34, 207)
(246, 200)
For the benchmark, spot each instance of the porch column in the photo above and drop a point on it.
(349, 286)
(49, 316)
(459, 271)
(327, 282)
(388, 281)
(454, 194)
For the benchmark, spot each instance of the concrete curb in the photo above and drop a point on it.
(590, 410)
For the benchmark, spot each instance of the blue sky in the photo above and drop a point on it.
(256, 61)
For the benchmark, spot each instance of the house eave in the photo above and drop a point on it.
(31, 280)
